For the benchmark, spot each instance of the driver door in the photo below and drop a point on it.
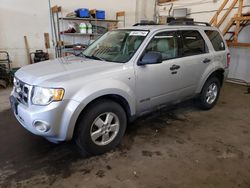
(157, 84)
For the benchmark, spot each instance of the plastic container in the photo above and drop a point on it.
(83, 28)
(82, 12)
(89, 28)
(100, 14)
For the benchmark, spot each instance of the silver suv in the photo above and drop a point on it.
(124, 74)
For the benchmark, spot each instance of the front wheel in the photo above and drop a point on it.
(101, 127)
(209, 94)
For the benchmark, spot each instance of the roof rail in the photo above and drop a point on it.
(176, 22)
(145, 23)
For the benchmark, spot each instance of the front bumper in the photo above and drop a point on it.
(57, 116)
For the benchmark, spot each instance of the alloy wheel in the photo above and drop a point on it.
(104, 128)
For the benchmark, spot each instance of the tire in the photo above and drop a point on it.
(203, 100)
(94, 121)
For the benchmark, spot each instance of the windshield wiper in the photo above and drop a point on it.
(91, 57)
(95, 57)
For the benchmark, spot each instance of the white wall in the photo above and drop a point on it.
(20, 18)
(31, 18)
(240, 66)
(145, 10)
(203, 10)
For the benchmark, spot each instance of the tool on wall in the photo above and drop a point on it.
(46, 41)
(55, 11)
(27, 49)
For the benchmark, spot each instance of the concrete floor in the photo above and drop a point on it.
(183, 147)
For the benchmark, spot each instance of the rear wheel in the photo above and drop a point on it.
(101, 127)
(210, 93)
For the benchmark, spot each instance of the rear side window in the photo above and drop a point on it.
(216, 40)
(193, 43)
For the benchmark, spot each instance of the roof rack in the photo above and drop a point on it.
(145, 23)
(175, 22)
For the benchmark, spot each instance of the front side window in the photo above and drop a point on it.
(193, 43)
(216, 40)
(166, 43)
(116, 46)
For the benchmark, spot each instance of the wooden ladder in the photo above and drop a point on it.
(236, 23)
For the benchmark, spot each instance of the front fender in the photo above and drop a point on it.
(97, 89)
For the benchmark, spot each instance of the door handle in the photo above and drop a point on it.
(206, 60)
(175, 67)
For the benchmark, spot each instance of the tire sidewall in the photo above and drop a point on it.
(83, 138)
(203, 101)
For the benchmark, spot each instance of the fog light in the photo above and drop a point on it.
(41, 126)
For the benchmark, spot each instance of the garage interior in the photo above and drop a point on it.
(180, 146)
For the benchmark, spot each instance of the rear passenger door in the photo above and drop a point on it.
(195, 58)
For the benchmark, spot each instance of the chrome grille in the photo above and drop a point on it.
(22, 91)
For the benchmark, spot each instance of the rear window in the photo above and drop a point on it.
(193, 43)
(216, 40)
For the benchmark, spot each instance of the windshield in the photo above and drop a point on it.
(116, 46)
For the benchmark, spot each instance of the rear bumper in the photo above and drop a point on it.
(56, 116)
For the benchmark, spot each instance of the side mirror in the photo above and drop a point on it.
(151, 58)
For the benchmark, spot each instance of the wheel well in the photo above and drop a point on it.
(219, 74)
(116, 98)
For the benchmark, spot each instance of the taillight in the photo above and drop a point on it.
(228, 60)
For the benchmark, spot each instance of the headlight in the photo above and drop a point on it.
(44, 96)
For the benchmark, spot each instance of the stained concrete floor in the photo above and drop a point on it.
(182, 147)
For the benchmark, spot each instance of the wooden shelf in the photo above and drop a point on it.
(88, 19)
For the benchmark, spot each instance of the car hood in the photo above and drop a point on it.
(63, 70)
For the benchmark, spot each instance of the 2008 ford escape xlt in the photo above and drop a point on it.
(124, 74)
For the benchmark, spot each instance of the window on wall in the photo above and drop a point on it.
(166, 43)
(216, 40)
(193, 43)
